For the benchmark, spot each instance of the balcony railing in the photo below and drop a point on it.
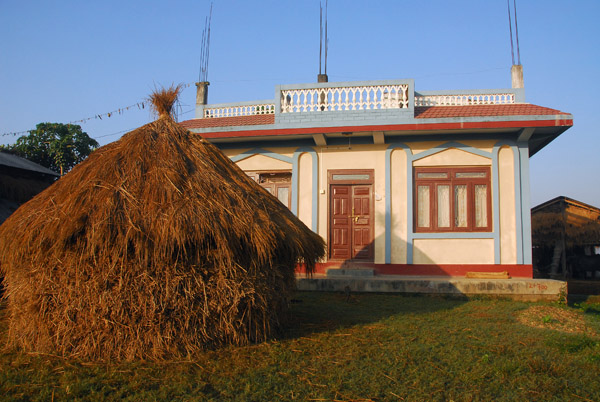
(364, 96)
(344, 98)
(239, 110)
(464, 100)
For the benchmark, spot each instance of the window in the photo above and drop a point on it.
(452, 199)
(277, 183)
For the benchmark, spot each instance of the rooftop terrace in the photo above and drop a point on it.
(390, 106)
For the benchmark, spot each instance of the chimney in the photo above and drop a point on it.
(202, 93)
(516, 73)
(322, 78)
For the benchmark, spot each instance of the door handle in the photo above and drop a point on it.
(354, 217)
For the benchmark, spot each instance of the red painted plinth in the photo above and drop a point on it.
(456, 270)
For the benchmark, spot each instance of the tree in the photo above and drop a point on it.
(56, 146)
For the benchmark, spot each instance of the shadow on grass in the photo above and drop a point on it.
(315, 312)
(590, 304)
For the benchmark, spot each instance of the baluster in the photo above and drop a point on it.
(306, 95)
(336, 99)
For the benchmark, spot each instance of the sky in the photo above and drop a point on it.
(65, 61)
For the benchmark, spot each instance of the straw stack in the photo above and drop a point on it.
(156, 246)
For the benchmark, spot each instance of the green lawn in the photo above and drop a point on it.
(371, 347)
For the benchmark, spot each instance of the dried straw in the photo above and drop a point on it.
(578, 229)
(156, 246)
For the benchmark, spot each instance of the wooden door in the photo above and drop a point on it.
(362, 235)
(351, 221)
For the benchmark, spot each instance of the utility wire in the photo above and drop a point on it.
(140, 105)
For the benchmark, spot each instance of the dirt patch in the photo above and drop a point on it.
(555, 318)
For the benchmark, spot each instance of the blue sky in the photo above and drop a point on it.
(63, 61)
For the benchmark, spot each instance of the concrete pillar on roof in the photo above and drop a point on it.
(202, 93)
(516, 73)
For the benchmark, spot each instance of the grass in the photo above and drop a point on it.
(371, 347)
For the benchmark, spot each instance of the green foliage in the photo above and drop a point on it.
(547, 319)
(56, 146)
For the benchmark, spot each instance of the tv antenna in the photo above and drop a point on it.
(512, 49)
(205, 48)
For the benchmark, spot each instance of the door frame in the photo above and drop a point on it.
(352, 177)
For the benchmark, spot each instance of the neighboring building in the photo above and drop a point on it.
(566, 239)
(402, 181)
(20, 180)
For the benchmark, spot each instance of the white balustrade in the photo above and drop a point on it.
(369, 97)
(239, 110)
(464, 100)
(344, 98)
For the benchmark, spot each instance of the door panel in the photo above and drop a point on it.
(351, 227)
(340, 225)
(362, 246)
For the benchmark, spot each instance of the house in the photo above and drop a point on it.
(397, 181)
(566, 239)
(20, 180)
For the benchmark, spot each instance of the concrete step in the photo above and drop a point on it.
(350, 272)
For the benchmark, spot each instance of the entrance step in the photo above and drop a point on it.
(358, 280)
(350, 272)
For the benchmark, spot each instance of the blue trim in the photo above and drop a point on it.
(448, 145)
(496, 201)
(518, 204)
(525, 202)
(294, 161)
(521, 167)
(315, 184)
(410, 234)
(517, 200)
(388, 199)
(260, 151)
(294, 141)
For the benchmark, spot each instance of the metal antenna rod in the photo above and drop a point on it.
(205, 47)
(512, 51)
(202, 53)
(517, 33)
(320, 35)
(208, 43)
(326, 38)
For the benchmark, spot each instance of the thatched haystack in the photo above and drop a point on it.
(155, 246)
(550, 227)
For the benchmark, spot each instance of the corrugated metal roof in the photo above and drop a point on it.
(14, 161)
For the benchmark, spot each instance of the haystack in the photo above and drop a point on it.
(156, 246)
(550, 227)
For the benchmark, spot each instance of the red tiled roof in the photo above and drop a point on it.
(421, 112)
(519, 109)
(230, 121)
